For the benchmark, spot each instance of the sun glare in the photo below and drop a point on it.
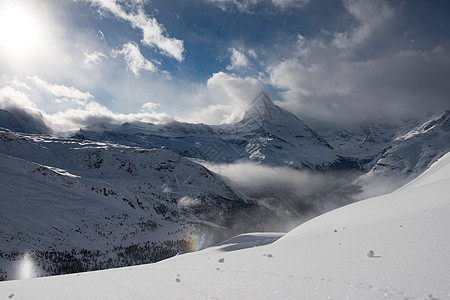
(26, 267)
(19, 32)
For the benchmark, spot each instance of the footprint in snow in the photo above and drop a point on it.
(222, 260)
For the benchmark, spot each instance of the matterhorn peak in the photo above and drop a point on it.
(261, 108)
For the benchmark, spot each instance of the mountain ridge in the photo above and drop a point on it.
(77, 197)
(267, 134)
(143, 180)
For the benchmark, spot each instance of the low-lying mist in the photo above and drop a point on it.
(373, 185)
(291, 196)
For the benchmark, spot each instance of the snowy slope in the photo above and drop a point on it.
(325, 258)
(65, 195)
(411, 153)
(395, 148)
(368, 139)
(23, 120)
(407, 155)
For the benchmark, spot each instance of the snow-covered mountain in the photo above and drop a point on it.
(360, 251)
(368, 139)
(267, 134)
(23, 121)
(275, 136)
(272, 136)
(81, 205)
(115, 195)
(414, 151)
(407, 155)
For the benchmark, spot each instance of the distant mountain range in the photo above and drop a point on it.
(115, 195)
(272, 136)
(267, 134)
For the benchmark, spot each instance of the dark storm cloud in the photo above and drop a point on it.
(372, 69)
(407, 84)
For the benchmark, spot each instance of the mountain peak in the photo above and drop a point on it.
(261, 108)
(23, 120)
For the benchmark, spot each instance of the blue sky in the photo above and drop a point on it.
(330, 62)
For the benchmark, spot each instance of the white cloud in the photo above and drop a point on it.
(149, 106)
(62, 91)
(252, 54)
(300, 48)
(153, 32)
(93, 58)
(288, 3)
(16, 82)
(27, 117)
(371, 15)
(76, 109)
(231, 95)
(280, 178)
(228, 96)
(232, 89)
(238, 59)
(213, 114)
(93, 112)
(10, 97)
(247, 5)
(187, 201)
(102, 35)
(241, 58)
(240, 5)
(134, 59)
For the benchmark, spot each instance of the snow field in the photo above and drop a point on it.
(325, 258)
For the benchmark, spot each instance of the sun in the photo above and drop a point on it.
(19, 32)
